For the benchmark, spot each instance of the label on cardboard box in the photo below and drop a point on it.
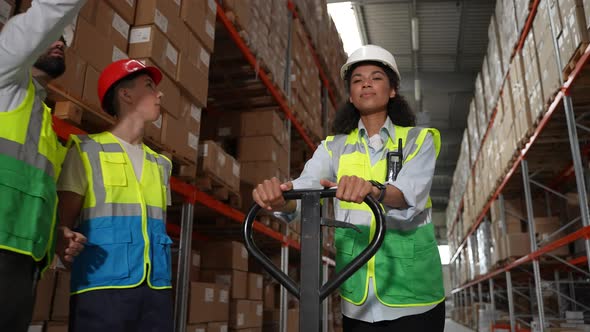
(196, 260)
(259, 310)
(223, 296)
(236, 170)
(213, 6)
(161, 21)
(177, 2)
(131, 3)
(240, 319)
(224, 131)
(196, 112)
(193, 141)
(274, 156)
(209, 295)
(5, 10)
(205, 57)
(121, 26)
(258, 282)
(140, 35)
(210, 29)
(118, 54)
(199, 329)
(204, 150)
(221, 159)
(224, 279)
(244, 253)
(172, 53)
(223, 328)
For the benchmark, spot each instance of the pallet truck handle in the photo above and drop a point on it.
(345, 272)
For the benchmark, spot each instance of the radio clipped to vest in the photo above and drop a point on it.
(394, 163)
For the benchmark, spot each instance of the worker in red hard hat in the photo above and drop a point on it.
(115, 190)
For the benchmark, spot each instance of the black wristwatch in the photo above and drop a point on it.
(382, 189)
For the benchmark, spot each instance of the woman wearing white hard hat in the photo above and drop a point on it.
(401, 287)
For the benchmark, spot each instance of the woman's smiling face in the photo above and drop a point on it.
(370, 90)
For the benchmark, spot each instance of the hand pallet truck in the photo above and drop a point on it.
(311, 292)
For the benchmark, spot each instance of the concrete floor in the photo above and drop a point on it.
(452, 326)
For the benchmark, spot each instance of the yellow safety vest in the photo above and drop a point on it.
(406, 270)
(123, 219)
(30, 163)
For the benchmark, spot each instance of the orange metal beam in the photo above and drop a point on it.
(262, 75)
(581, 233)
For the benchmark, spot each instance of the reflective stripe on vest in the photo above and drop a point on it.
(123, 218)
(405, 243)
(31, 158)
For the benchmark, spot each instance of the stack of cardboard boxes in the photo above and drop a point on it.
(52, 302)
(227, 295)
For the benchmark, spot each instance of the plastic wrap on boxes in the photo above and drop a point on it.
(472, 256)
(507, 29)
(495, 67)
(474, 136)
(484, 245)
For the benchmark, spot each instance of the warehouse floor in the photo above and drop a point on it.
(452, 326)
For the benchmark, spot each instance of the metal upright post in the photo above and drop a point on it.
(183, 276)
(574, 145)
(325, 303)
(283, 293)
(572, 290)
(479, 292)
(558, 293)
(532, 232)
(492, 299)
(285, 248)
(510, 297)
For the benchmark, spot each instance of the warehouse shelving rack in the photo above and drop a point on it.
(557, 126)
(191, 195)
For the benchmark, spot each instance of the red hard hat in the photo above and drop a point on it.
(120, 69)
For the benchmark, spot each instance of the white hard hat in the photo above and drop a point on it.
(370, 53)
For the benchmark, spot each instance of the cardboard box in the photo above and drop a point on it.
(165, 14)
(239, 314)
(517, 245)
(232, 279)
(263, 148)
(214, 162)
(217, 327)
(107, 21)
(256, 172)
(149, 42)
(94, 47)
(56, 327)
(61, 300)
(90, 91)
(193, 81)
(256, 312)
(293, 320)
(224, 255)
(44, 296)
(255, 290)
(70, 81)
(199, 16)
(36, 327)
(7, 9)
(125, 8)
(208, 302)
(196, 328)
(270, 294)
(263, 123)
(177, 137)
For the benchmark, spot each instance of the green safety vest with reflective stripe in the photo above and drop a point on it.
(123, 218)
(406, 271)
(30, 163)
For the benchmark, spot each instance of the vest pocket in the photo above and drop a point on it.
(394, 266)
(105, 256)
(113, 169)
(428, 276)
(346, 250)
(161, 260)
(37, 193)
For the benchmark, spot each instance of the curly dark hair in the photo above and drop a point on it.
(398, 109)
